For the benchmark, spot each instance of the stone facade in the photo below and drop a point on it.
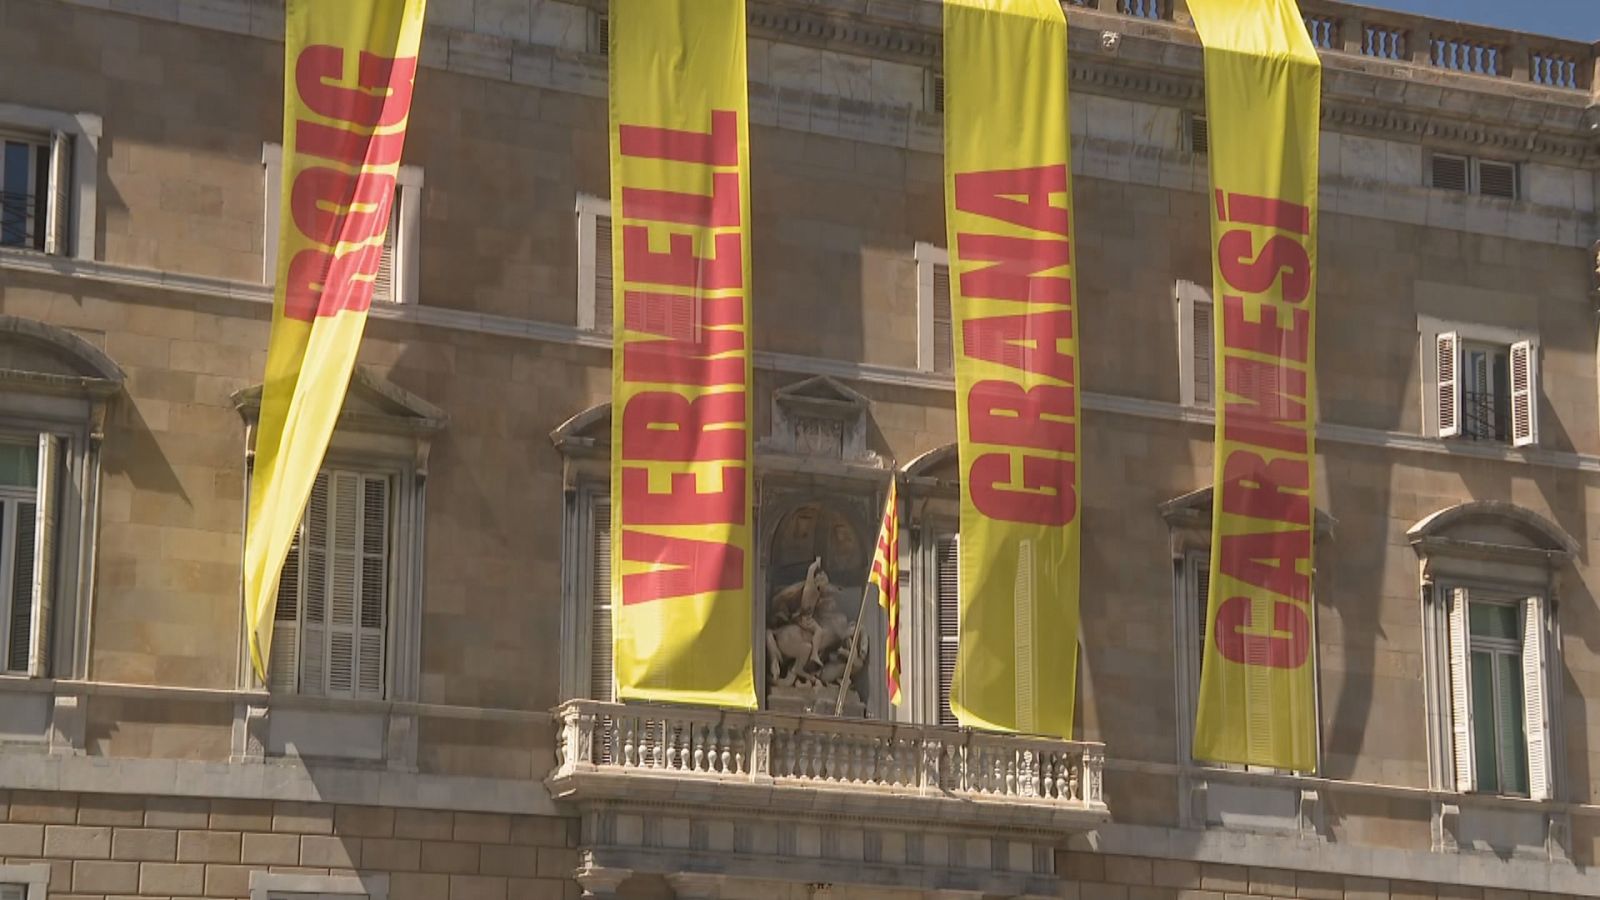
(145, 762)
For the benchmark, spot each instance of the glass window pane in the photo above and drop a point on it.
(1483, 721)
(19, 465)
(1513, 740)
(1494, 620)
(14, 168)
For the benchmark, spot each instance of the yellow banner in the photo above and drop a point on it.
(348, 73)
(1008, 208)
(681, 488)
(1263, 96)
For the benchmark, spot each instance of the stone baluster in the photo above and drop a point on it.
(761, 754)
(928, 771)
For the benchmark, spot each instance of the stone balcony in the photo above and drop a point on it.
(751, 797)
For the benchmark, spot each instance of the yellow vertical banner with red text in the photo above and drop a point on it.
(681, 475)
(349, 67)
(1008, 211)
(1263, 97)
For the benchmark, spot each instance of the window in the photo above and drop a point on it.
(49, 165)
(398, 267)
(935, 322)
(602, 677)
(594, 264)
(600, 34)
(933, 92)
(1199, 135)
(947, 618)
(1471, 175)
(333, 595)
(29, 478)
(1196, 336)
(13, 892)
(1487, 391)
(294, 886)
(24, 882)
(1498, 714)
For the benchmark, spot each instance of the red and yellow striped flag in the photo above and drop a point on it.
(886, 575)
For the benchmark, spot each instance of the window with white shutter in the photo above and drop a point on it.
(399, 263)
(333, 596)
(935, 321)
(1486, 389)
(30, 495)
(947, 615)
(1499, 708)
(595, 305)
(602, 678)
(1196, 337)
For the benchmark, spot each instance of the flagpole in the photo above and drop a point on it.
(849, 660)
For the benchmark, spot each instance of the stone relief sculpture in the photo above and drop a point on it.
(808, 640)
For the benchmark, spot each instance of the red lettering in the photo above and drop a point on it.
(1006, 413)
(674, 315)
(1239, 333)
(332, 207)
(690, 567)
(718, 148)
(1254, 487)
(1030, 343)
(1013, 276)
(320, 284)
(382, 94)
(1265, 211)
(349, 147)
(719, 209)
(1245, 271)
(660, 425)
(678, 266)
(1270, 560)
(683, 503)
(1273, 413)
(993, 195)
(1285, 648)
(1047, 497)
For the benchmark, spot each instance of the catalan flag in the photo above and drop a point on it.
(886, 575)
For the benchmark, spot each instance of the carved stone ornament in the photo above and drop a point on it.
(820, 417)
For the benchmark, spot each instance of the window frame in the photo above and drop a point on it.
(1442, 397)
(295, 886)
(588, 210)
(928, 258)
(1472, 174)
(34, 878)
(578, 550)
(1196, 383)
(78, 136)
(403, 239)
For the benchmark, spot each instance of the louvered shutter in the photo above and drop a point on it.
(42, 583)
(1204, 339)
(283, 666)
(1536, 713)
(314, 602)
(1200, 572)
(383, 283)
(56, 212)
(1448, 389)
(1497, 179)
(1199, 135)
(374, 592)
(1524, 394)
(947, 600)
(1461, 692)
(1448, 173)
(943, 323)
(21, 587)
(344, 596)
(603, 304)
(601, 676)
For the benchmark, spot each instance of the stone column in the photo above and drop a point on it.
(600, 882)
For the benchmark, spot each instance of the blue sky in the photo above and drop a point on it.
(1577, 19)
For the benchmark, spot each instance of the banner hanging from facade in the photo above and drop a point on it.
(347, 80)
(1008, 208)
(1263, 97)
(681, 486)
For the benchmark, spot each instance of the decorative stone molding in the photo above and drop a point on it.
(67, 725)
(1310, 813)
(1447, 827)
(821, 417)
(599, 882)
(250, 725)
(696, 885)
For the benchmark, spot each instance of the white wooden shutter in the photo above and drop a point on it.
(374, 592)
(42, 588)
(56, 208)
(20, 590)
(383, 283)
(1203, 337)
(1536, 713)
(603, 310)
(344, 589)
(947, 610)
(602, 678)
(1524, 394)
(314, 602)
(1448, 388)
(1461, 692)
(283, 665)
(943, 322)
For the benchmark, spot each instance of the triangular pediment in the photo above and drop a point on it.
(821, 389)
(372, 403)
